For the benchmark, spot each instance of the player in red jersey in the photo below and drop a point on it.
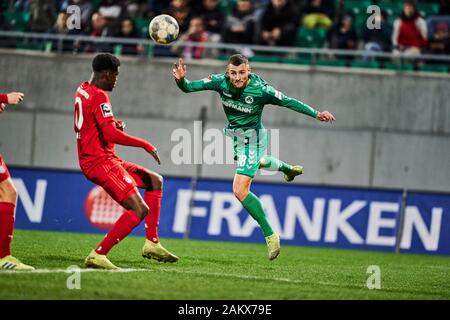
(8, 200)
(97, 132)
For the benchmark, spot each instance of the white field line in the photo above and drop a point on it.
(210, 274)
(72, 270)
(246, 277)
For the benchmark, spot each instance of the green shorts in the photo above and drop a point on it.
(249, 147)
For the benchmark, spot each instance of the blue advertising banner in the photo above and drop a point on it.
(426, 226)
(317, 216)
(51, 200)
(302, 215)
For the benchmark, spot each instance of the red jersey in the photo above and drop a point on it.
(4, 174)
(92, 111)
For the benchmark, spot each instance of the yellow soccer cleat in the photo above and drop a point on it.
(273, 245)
(295, 171)
(99, 261)
(156, 251)
(11, 263)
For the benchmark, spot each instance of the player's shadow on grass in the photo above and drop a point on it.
(65, 259)
(139, 262)
(223, 262)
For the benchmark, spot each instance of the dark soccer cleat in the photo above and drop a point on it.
(295, 171)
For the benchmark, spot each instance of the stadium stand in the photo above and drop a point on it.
(17, 16)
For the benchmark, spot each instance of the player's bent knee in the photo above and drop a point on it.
(136, 204)
(154, 181)
(240, 193)
(142, 211)
(262, 163)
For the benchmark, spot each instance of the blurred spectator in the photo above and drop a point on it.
(240, 25)
(410, 31)
(99, 28)
(278, 24)
(378, 39)
(128, 30)
(213, 21)
(60, 27)
(213, 17)
(318, 14)
(113, 12)
(42, 15)
(110, 9)
(440, 40)
(343, 36)
(131, 8)
(259, 6)
(180, 10)
(195, 33)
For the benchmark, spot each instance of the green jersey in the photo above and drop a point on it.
(244, 107)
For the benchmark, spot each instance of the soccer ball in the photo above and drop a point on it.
(163, 29)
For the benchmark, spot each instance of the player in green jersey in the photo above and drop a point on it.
(244, 95)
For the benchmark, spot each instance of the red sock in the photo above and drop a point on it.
(153, 200)
(6, 227)
(123, 226)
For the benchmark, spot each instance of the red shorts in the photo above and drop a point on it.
(119, 178)
(4, 173)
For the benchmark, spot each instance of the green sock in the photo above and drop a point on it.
(274, 164)
(254, 207)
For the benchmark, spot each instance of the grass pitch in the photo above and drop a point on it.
(210, 270)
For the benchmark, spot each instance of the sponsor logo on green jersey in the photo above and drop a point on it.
(237, 106)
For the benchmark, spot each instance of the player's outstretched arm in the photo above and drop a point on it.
(15, 97)
(114, 135)
(179, 70)
(10, 98)
(325, 116)
(179, 74)
(273, 96)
